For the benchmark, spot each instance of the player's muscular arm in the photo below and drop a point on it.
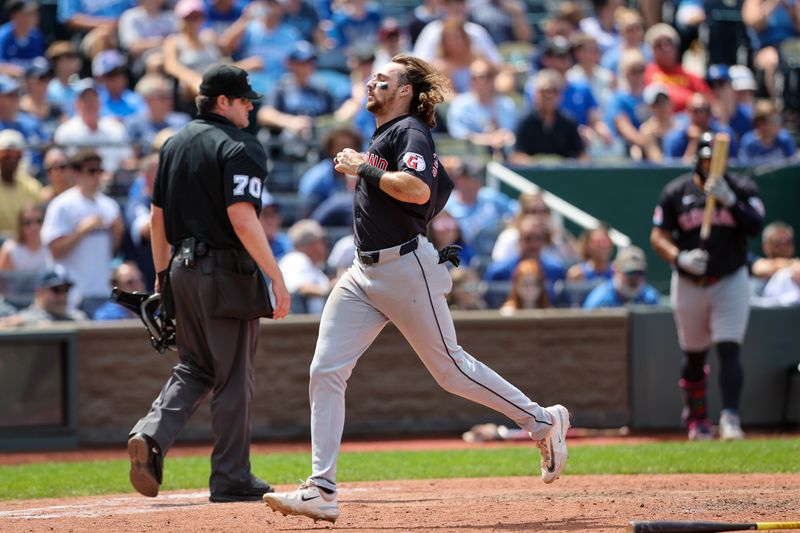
(661, 241)
(399, 185)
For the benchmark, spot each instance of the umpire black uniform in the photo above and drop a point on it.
(216, 288)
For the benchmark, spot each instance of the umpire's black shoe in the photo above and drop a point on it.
(147, 464)
(251, 493)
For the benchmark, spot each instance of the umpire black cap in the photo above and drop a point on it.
(228, 80)
(704, 145)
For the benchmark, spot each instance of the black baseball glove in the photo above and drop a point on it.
(450, 253)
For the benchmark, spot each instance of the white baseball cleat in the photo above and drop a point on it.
(729, 426)
(554, 446)
(308, 500)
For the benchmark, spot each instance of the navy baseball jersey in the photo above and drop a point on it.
(380, 221)
(680, 211)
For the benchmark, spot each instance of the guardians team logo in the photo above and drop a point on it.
(414, 161)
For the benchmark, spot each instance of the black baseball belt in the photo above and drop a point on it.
(371, 258)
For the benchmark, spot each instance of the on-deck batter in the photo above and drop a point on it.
(398, 276)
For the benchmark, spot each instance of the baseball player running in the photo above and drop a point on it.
(398, 276)
(709, 289)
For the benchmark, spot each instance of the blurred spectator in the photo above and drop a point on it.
(666, 68)
(59, 174)
(505, 20)
(777, 242)
(142, 30)
(724, 105)
(83, 228)
(270, 218)
(25, 252)
(337, 209)
(546, 131)
(445, 230)
(655, 128)
(425, 12)
(391, 42)
(158, 114)
(222, 13)
(482, 116)
(11, 117)
(534, 236)
(190, 51)
(563, 244)
(88, 129)
(627, 286)
(783, 288)
(561, 24)
(477, 208)
(595, 249)
(321, 181)
(262, 34)
(602, 26)
(128, 278)
(86, 15)
(354, 22)
(631, 31)
(301, 267)
(682, 143)
(455, 55)
(50, 303)
(34, 101)
(136, 244)
(17, 188)
(744, 85)
(20, 38)
(768, 142)
(354, 109)
(770, 22)
(587, 69)
(110, 69)
(304, 18)
(430, 39)
(466, 293)
(627, 109)
(66, 64)
(528, 288)
(296, 102)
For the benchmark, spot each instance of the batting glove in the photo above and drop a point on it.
(693, 261)
(720, 190)
(450, 253)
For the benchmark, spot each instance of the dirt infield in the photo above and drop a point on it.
(597, 504)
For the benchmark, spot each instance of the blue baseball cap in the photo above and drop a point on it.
(39, 67)
(55, 277)
(717, 72)
(8, 84)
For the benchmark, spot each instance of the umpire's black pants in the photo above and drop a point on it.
(216, 355)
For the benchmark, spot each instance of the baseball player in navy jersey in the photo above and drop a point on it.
(709, 288)
(398, 276)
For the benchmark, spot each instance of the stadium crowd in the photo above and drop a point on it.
(90, 90)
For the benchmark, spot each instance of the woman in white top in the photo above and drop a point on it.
(26, 253)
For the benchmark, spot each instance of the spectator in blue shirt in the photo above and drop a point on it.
(627, 109)
(534, 235)
(629, 284)
(768, 142)
(129, 279)
(681, 144)
(271, 220)
(20, 39)
(156, 116)
(66, 63)
(322, 181)
(136, 242)
(631, 31)
(726, 107)
(86, 15)
(220, 14)
(109, 67)
(303, 16)
(29, 126)
(354, 22)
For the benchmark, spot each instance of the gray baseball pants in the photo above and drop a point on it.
(409, 291)
(216, 355)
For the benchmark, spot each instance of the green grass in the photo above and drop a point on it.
(45, 480)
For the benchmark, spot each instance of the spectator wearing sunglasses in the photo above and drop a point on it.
(126, 277)
(629, 284)
(83, 228)
(58, 172)
(25, 252)
(49, 303)
(681, 144)
(769, 142)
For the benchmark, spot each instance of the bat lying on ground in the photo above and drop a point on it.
(665, 526)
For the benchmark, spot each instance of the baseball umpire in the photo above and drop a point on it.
(398, 276)
(709, 289)
(206, 200)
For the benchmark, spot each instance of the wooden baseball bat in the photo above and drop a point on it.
(719, 159)
(689, 526)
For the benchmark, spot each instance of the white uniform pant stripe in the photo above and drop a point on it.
(409, 291)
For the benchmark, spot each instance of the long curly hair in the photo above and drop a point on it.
(428, 86)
